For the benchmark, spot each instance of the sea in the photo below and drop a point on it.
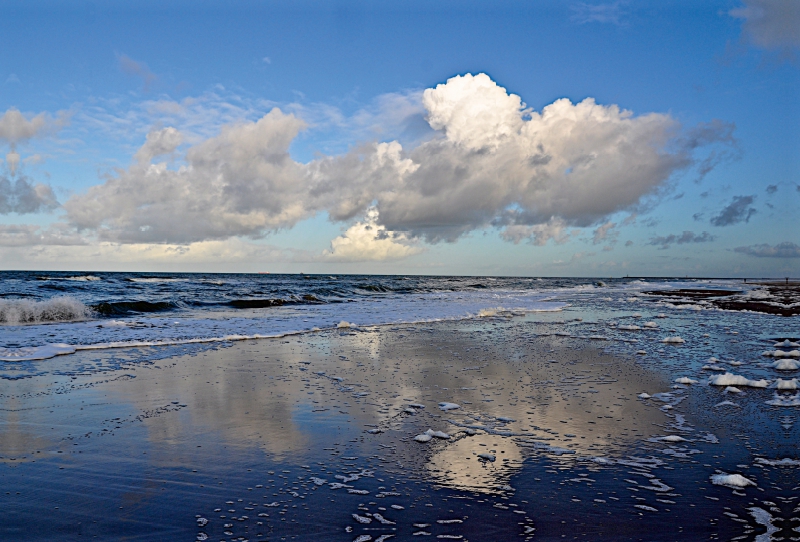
(725, 352)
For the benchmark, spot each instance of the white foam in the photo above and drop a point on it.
(786, 365)
(55, 309)
(732, 389)
(782, 354)
(764, 518)
(726, 403)
(629, 328)
(673, 340)
(730, 379)
(785, 400)
(786, 384)
(787, 344)
(731, 480)
(645, 507)
(343, 325)
(668, 438)
(785, 462)
(448, 406)
(34, 353)
(650, 324)
(644, 396)
(685, 380)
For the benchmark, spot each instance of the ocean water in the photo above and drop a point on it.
(47, 314)
(397, 406)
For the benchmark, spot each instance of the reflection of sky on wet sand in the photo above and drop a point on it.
(204, 421)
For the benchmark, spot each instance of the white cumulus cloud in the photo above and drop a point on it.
(367, 241)
(491, 161)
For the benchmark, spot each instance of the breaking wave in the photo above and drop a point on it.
(56, 309)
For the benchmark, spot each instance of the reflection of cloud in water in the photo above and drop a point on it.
(238, 402)
(456, 464)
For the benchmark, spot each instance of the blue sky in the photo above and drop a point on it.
(410, 137)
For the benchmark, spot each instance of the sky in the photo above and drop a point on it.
(517, 138)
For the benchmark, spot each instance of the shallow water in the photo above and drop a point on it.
(561, 425)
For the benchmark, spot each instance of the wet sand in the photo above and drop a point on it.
(313, 437)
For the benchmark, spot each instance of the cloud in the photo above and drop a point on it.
(555, 229)
(611, 13)
(605, 233)
(266, 60)
(16, 128)
(770, 24)
(239, 183)
(22, 195)
(367, 241)
(158, 143)
(495, 161)
(781, 250)
(29, 235)
(485, 160)
(138, 69)
(739, 210)
(685, 237)
(772, 188)
(12, 79)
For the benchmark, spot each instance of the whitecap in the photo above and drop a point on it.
(55, 309)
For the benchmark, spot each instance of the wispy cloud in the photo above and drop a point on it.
(770, 24)
(667, 241)
(137, 69)
(781, 250)
(610, 13)
(739, 210)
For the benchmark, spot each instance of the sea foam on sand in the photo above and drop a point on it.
(730, 379)
(731, 480)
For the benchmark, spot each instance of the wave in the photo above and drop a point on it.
(121, 308)
(148, 280)
(278, 302)
(77, 278)
(34, 353)
(55, 309)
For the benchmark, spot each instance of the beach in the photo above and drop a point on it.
(590, 422)
(313, 437)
